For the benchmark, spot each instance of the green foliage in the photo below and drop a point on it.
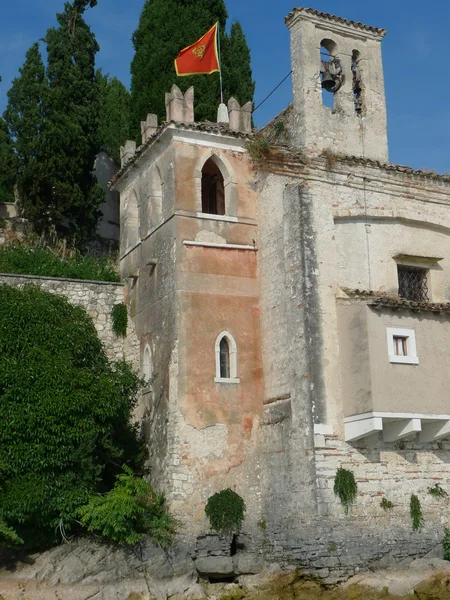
(262, 524)
(128, 511)
(114, 115)
(437, 491)
(8, 164)
(415, 511)
(446, 543)
(64, 414)
(119, 316)
(332, 548)
(386, 504)
(258, 148)
(53, 117)
(23, 260)
(345, 487)
(157, 42)
(8, 537)
(226, 511)
(24, 117)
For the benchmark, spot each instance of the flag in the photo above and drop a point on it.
(201, 57)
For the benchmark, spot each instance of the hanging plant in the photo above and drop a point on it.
(345, 487)
(225, 511)
(415, 510)
(119, 316)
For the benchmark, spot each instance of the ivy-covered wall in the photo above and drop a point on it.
(98, 299)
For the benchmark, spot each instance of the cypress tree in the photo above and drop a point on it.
(114, 115)
(8, 165)
(241, 85)
(165, 28)
(72, 122)
(24, 118)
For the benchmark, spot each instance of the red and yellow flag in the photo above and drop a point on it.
(201, 57)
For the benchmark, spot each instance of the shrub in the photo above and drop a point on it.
(128, 511)
(226, 511)
(119, 316)
(446, 544)
(345, 487)
(415, 510)
(258, 148)
(64, 413)
(8, 537)
(23, 260)
(437, 491)
(386, 504)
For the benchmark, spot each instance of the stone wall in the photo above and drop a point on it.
(97, 298)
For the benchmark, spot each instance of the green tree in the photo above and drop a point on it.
(114, 115)
(25, 120)
(64, 415)
(166, 27)
(72, 122)
(8, 162)
(53, 117)
(239, 72)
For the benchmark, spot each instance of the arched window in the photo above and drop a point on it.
(226, 359)
(213, 190)
(147, 364)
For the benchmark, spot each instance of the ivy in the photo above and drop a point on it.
(437, 491)
(345, 487)
(119, 317)
(446, 544)
(226, 511)
(415, 510)
(386, 504)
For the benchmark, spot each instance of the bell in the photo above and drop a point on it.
(328, 82)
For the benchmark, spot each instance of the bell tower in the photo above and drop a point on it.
(338, 85)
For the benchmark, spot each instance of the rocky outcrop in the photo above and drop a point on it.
(90, 571)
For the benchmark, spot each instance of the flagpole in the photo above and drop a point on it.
(220, 61)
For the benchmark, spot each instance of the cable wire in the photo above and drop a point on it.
(274, 90)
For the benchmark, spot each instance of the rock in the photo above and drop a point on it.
(429, 563)
(247, 563)
(215, 566)
(436, 588)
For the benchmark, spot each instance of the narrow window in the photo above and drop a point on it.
(224, 359)
(357, 82)
(412, 283)
(213, 191)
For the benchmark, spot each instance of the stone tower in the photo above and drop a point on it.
(352, 120)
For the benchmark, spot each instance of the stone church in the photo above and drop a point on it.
(290, 291)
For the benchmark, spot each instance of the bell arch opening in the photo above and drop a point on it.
(213, 189)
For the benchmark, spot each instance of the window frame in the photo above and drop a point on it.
(411, 357)
(232, 349)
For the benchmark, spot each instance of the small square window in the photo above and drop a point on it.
(413, 283)
(402, 346)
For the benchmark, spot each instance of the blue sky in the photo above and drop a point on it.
(416, 70)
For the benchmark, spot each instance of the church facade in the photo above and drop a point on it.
(290, 291)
